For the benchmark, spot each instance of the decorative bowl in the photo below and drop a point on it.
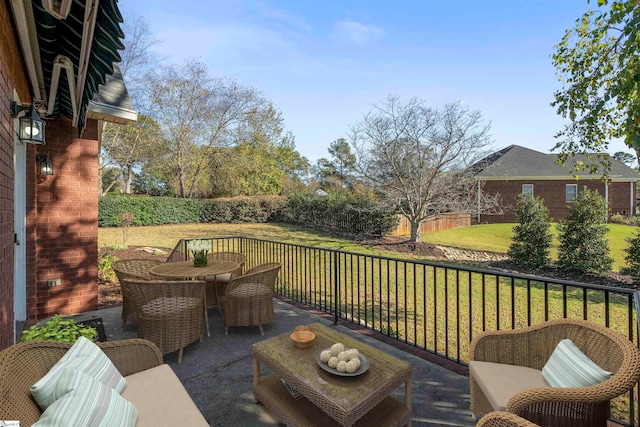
(302, 339)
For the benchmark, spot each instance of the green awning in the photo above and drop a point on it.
(64, 37)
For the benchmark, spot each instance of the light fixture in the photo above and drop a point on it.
(45, 164)
(31, 127)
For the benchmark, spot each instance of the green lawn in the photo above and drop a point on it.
(497, 238)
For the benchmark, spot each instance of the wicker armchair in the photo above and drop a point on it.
(249, 297)
(131, 269)
(551, 406)
(216, 285)
(169, 312)
(504, 419)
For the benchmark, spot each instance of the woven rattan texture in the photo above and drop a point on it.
(23, 364)
(131, 269)
(249, 297)
(532, 347)
(169, 312)
(216, 285)
(346, 400)
(302, 413)
(503, 419)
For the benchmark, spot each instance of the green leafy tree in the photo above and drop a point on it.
(597, 62)
(584, 246)
(532, 237)
(632, 258)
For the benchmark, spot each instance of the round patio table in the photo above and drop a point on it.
(186, 270)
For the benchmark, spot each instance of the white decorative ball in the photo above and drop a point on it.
(333, 362)
(325, 356)
(342, 366)
(352, 366)
(354, 353)
(344, 356)
(337, 348)
(356, 361)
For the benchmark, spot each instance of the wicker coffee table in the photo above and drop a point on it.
(328, 399)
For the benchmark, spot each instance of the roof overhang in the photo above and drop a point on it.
(555, 178)
(69, 49)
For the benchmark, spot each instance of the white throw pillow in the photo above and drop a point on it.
(84, 356)
(570, 367)
(82, 401)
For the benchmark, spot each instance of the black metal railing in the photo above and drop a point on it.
(435, 307)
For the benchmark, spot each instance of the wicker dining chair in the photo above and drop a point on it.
(216, 285)
(249, 297)
(169, 312)
(135, 268)
(532, 347)
(504, 419)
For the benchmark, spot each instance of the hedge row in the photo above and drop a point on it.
(171, 210)
(361, 216)
(351, 215)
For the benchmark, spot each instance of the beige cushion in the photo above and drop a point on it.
(219, 278)
(500, 382)
(161, 399)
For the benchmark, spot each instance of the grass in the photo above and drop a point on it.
(167, 236)
(433, 307)
(497, 238)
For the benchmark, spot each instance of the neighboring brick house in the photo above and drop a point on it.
(53, 59)
(515, 170)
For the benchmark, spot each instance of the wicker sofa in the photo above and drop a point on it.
(152, 386)
(526, 395)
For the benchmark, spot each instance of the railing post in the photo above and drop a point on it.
(336, 286)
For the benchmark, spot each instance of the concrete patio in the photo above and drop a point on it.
(217, 372)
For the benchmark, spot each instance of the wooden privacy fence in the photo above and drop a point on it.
(442, 222)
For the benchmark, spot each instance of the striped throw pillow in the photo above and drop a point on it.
(570, 367)
(82, 401)
(84, 356)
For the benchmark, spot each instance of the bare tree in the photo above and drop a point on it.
(418, 157)
(137, 58)
(193, 111)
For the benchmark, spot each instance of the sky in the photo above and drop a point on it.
(325, 64)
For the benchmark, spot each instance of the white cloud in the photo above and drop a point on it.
(356, 32)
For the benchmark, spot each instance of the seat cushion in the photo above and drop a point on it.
(219, 278)
(167, 306)
(568, 366)
(499, 382)
(161, 399)
(249, 290)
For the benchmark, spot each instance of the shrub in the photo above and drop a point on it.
(105, 269)
(632, 258)
(618, 218)
(351, 214)
(59, 329)
(532, 237)
(583, 235)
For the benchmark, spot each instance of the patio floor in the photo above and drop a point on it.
(217, 372)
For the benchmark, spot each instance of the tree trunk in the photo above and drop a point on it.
(128, 177)
(415, 230)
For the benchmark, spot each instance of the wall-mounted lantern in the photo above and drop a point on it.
(31, 127)
(44, 164)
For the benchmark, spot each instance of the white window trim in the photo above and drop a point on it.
(528, 185)
(566, 193)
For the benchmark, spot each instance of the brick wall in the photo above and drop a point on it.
(11, 78)
(67, 221)
(554, 195)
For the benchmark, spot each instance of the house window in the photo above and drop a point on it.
(571, 192)
(527, 189)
